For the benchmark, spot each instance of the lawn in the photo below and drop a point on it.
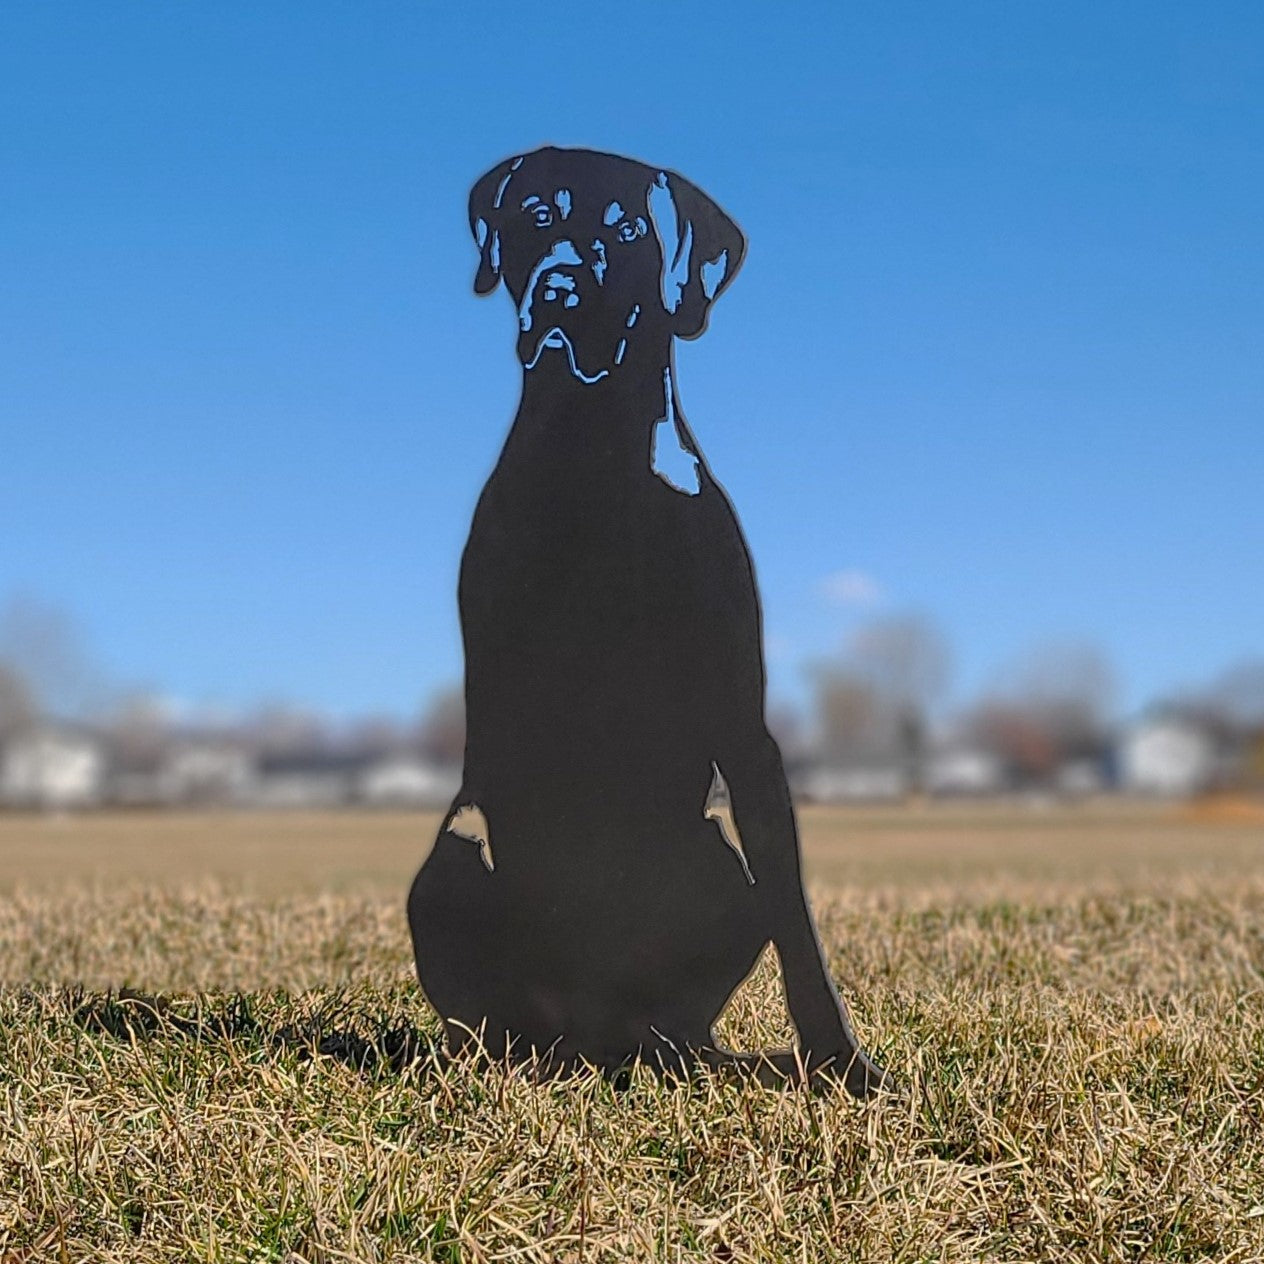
(212, 1048)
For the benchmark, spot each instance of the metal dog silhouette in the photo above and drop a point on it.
(614, 674)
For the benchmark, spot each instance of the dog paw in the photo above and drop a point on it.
(859, 1075)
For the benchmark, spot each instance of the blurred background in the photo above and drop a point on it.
(988, 394)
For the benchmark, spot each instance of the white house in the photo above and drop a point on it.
(1166, 756)
(964, 770)
(313, 779)
(207, 772)
(1080, 778)
(401, 781)
(860, 783)
(52, 768)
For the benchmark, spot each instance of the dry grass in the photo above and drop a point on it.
(1072, 1000)
(966, 845)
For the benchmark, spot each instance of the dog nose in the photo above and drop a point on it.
(559, 287)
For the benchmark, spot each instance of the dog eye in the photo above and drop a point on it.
(542, 216)
(629, 231)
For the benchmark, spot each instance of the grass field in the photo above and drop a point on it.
(1072, 999)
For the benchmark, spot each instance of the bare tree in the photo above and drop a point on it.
(376, 736)
(138, 730)
(441, 730)
(1238, 695)
(279, 729)
(1015, 736)
(904, 658)
(854, 723)
(1051, 708)
(17, 707)
(42, 645)
(785, 724)
(873, 702)
(892, 673)
(1070, 689)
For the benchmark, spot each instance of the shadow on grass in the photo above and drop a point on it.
(392, 1047)
(132, 1017)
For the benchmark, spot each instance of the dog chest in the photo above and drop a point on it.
(593, 564)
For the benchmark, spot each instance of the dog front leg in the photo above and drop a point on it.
(764, 816)
(466, 816)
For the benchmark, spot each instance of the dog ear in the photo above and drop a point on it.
(702, 250)
(485, 217)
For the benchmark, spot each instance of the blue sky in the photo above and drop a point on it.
(995, 354)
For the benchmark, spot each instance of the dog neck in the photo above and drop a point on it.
(627, 423)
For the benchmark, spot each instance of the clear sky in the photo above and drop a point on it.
(995, 354)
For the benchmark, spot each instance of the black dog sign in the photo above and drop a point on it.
(614, 668)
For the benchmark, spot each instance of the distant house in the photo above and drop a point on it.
(134, 779)
(52, 768)
(854, 783)
(963, 770)
(134, 768)
(1080, 778)
(1167, 755)
(313, 779)
(1252, 774)
(405, 781)
(207, 772)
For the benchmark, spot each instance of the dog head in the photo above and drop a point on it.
(603, 256)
